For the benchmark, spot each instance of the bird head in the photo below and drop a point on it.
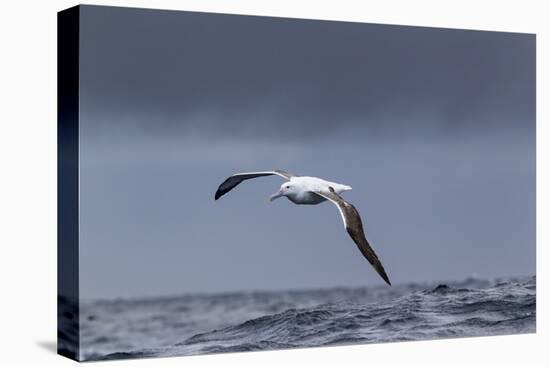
(286, 189)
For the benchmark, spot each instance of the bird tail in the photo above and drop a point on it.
(345, 188)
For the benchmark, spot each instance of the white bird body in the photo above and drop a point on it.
(304, 190)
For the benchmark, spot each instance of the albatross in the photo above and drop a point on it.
(304, 190)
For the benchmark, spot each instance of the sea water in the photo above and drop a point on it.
(245, 321)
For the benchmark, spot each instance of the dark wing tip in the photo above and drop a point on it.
(358, 235)
(220, 192)
(380, 270)
(223, 189)
(384, 276)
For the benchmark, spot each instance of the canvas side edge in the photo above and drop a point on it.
(68, 326)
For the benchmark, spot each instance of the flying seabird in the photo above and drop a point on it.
(305, 190)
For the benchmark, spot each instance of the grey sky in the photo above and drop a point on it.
(434, 129)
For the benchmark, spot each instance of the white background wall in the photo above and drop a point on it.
(28, 181)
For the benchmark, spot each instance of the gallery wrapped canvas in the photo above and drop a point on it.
(237, 183)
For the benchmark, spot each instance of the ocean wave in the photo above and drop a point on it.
(442, 311)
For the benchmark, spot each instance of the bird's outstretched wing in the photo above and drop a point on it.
(237, 178)
(354, 227)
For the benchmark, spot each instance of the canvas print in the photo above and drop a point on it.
(239, 183)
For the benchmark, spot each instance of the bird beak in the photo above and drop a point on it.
(276, 195)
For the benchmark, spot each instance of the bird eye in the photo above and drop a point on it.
(288, 187)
